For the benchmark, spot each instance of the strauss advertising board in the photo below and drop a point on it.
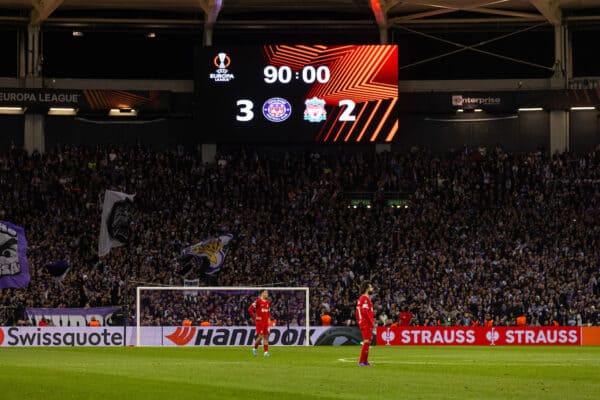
(479, 336)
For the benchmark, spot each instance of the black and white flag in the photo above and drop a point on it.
(14, 266)
(116, 219)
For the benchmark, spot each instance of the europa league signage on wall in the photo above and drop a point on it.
(39, 97)
(86, 100)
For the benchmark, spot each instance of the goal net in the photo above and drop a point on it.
(218, 315)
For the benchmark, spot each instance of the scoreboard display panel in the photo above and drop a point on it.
(298, 93)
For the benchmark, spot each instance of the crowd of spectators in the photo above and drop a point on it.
(485, 235)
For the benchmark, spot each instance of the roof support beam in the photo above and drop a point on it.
(211, 9)
(475, 48)
(518, 14)
(451, 4)
(475, 7)
(42, 10)
(380, 16)
(396, 22)
(380, 9)
(426, 14)
(550, 10)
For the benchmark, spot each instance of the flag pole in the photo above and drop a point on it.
(126, 308)
(128, 268)
(115, 231)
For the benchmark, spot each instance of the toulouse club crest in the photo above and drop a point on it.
(277, 109)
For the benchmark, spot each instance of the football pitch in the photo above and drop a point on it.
(320, 372)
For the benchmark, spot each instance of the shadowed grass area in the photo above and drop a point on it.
(322, 372)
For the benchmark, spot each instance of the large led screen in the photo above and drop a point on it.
(297, 93)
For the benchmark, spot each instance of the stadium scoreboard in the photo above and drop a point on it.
(298, 93)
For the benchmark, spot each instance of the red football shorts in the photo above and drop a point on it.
(367, 332)
(262, 329)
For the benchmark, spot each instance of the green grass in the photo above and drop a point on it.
(323, 372)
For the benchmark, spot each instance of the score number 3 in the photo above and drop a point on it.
(245, 112)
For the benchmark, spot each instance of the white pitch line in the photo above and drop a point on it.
(468, 363)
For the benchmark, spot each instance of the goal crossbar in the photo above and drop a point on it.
(139, 289)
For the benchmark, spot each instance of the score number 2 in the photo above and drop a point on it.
(246, 113)
(347, 113)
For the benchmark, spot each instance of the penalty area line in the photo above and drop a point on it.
(471, 363)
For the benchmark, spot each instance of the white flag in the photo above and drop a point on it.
(116, 218)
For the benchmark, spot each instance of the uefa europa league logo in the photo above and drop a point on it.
(222, 61)
(222, 57)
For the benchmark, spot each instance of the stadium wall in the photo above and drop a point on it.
(12, 127)
(585, 130)
(157, 132)
(524, 134)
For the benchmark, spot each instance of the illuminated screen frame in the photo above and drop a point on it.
(298, 93)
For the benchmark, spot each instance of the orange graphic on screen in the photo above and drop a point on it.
(363, 86)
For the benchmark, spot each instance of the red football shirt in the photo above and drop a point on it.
(405, 317)
(364, 312)
(260, 310)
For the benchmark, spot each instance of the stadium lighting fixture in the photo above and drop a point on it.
(122, 112)
(77, 33)
(531, 109)
(12, 110)
(62, 111)
(151, 35)
(582, 108)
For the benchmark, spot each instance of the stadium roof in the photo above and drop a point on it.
(430, 30)
(264, 13)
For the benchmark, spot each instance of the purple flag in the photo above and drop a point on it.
(213, 250)
(71, 316)
(14, 268)
(58, 269)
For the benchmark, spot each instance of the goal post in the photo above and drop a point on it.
(247, 294)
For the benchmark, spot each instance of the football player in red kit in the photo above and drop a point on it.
(260, 311)
(366, 321)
